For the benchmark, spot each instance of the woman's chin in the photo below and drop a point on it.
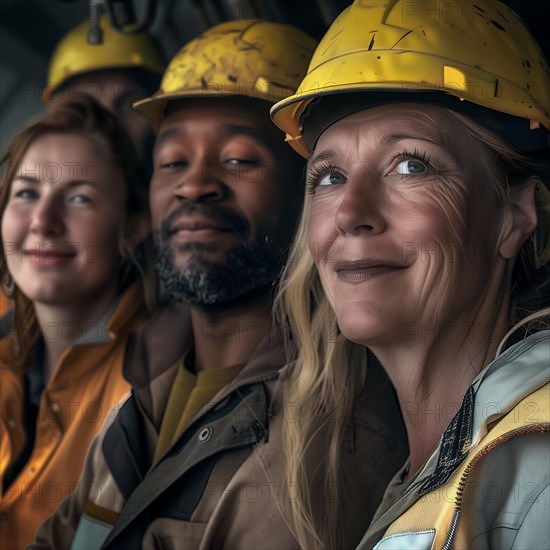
(364, 323)
(364, 331)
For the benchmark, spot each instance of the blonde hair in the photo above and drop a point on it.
(323, 395)
(328, 372)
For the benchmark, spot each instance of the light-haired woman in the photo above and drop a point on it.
(75, 226)
(427, 221)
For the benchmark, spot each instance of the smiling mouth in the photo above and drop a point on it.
(200, 232)
(48, 257)
(363, 270)
(197, 226)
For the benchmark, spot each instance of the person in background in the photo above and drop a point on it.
(116, 72)
(194, 458)
(75, 228)
(428, 199)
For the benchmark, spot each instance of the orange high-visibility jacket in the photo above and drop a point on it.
(86, 383)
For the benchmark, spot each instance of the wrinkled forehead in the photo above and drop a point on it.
(405, 113)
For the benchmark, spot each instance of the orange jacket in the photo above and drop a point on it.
(5, 304)
(84, 386)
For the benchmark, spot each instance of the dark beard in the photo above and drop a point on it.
(245, 268)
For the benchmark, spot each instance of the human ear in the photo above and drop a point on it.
(520, 220)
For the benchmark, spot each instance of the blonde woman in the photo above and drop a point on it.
(75, 223)
(427, 219)
(194, 458)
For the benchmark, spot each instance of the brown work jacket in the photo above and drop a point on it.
(221, 484)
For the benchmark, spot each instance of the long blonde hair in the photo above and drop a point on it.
(323, 395)
(328, 371)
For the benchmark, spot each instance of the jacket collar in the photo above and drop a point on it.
(154, 354)
(125, 315)
(128, 310)
(512, 376)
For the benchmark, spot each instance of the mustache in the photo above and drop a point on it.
(224, 218)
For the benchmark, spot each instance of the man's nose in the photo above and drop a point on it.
(202, 182)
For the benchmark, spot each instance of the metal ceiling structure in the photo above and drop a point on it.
(30, 29)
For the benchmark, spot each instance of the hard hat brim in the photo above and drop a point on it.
(153, 107)
(287, 114)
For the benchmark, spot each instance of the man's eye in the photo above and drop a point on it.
(408, 167)
(333, 178)
(174, 164)
(240, 161)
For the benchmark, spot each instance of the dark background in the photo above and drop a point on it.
(30, 29)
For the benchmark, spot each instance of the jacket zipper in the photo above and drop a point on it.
(534, 428)
(394, 512)
(452, 530)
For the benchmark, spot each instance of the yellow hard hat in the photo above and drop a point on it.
(252, 58)
(479, 51)
(75, 56)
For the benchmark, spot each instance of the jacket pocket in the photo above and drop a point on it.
(173, 534)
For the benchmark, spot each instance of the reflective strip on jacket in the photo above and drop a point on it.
(487, 486)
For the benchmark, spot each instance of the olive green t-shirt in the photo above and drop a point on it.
(189, 394)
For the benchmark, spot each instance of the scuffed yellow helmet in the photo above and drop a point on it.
(479, 51)
(75, 56)
(252, 58)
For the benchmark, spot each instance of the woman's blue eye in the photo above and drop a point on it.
(26, 194)
(408, 167)
(333, 178)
